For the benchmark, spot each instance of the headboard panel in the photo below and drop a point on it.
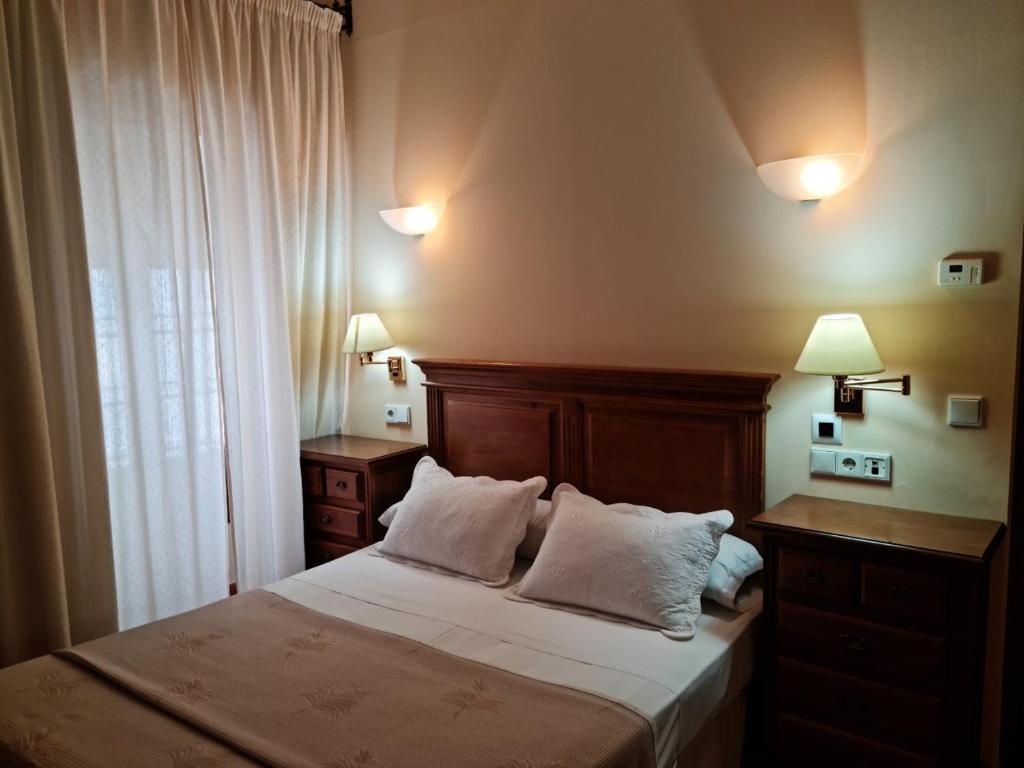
(677, 440)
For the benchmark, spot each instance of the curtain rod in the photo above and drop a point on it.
(345, 9)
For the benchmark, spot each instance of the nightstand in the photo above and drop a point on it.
(875, 622)
(347, 483)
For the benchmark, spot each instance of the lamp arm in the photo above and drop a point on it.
(852, 382)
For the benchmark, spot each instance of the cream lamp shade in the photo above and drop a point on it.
(839, 345)
(366, 333)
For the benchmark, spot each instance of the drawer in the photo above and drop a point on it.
(342, 484)
(805, 744)
(888, 715)
(312, 480)
(337, 520)
(815, 574)
(319, 552)
(851, 645)
(905, 593)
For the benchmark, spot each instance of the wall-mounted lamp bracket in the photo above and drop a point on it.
(849, 391)
(395, 364)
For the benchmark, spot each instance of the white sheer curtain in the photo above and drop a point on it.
(145, 222)
(211, 141)
(272, 116)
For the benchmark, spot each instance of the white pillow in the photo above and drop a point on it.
(737, 560)
(389, 515)
(629, 561)
(536, 527)
(469, 525)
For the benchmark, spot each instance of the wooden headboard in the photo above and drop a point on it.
(677, 440)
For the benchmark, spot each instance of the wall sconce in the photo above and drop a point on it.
(840, 346)
(415, 220)
(366, 335)
(811, 178)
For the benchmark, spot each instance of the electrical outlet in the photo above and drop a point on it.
(849, 464)
(397, 414)
(876, 466)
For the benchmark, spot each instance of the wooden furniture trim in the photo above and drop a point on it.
(380, 471)
(967, 595)
(1012, 726)
(968, 538)
(745, 391)
(729, 407)
(354, 449)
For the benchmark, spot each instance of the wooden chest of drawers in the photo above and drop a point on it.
(875, 633)
(347, 483)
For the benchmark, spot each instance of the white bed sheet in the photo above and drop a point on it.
(677, 685)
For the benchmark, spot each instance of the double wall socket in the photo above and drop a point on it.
(876, 467)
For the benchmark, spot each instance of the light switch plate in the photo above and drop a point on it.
(823, 462)
(827, 428)
(397, 414)
(965, 410)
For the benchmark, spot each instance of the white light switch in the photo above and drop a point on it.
(964, 411)
(823, 462)
(397, 414)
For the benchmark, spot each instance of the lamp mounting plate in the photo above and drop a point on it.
(396, 368)
(847, 401)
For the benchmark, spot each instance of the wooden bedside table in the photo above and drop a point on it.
(347, 483)
(875, 622)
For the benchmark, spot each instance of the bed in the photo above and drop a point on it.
(369, 662)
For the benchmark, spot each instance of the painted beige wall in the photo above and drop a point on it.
(603, 205)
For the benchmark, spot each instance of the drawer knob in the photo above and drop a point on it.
(343, 484)
(900, 591)
(855, 643)
(324, 518)
(814, 574)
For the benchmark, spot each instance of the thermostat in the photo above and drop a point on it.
(961, 271)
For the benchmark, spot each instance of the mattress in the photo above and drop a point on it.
(679, 686)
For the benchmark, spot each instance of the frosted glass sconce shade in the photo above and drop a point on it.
(415, 220)
(811, 178)
(366, 333)
(839, 345)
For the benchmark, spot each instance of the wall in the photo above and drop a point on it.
(598, 159)
(603, 207)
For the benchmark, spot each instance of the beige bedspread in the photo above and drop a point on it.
(257, 679)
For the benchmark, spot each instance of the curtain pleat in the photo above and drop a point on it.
(271, 106)
(56, 566)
